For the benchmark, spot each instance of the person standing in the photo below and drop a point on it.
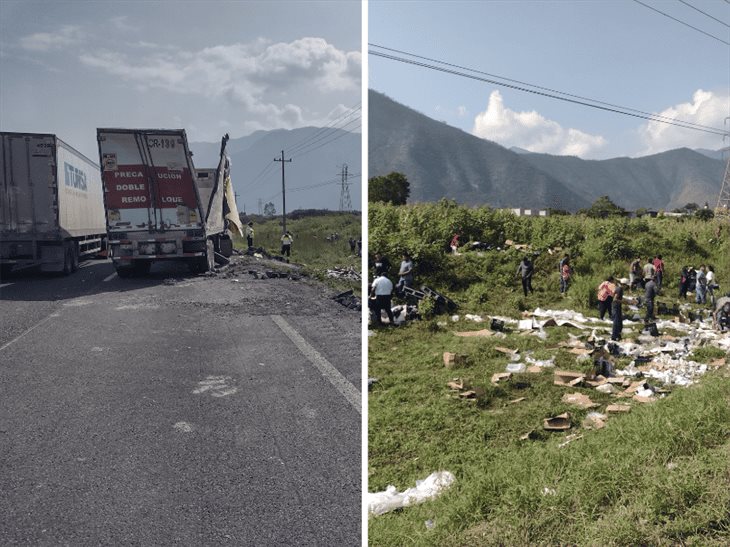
(701, 286)
(381, 291)
(658, 271)
(382, 264)
(711, 285)
(683, 282)
(405, 273)
(352, 243)
(454, 244)
(249, 235)
(650, 293)
(286, 240)
(617, 311)
(605, 297)
(635, 274)
(525, 270)
(649, 271)
(566, 271)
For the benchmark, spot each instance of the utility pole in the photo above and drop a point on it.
(345, 201)
(283, 189)
(723, 201)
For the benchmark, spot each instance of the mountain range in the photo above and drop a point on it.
(443, 161)
(318, 155)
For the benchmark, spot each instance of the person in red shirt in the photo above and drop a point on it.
(605, 297)
(454, 244)
(658, 271)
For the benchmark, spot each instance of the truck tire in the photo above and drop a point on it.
(74, 256)
(68, 260)
(124, 271)
(225, 245)
(142, 267)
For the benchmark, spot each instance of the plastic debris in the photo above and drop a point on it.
(579, 400)
(380, 503)
(516, 368)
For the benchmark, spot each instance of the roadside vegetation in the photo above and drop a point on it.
(657, 475)
(311, 249)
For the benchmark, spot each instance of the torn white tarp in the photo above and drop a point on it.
(383, 502)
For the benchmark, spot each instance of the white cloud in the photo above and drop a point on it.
(255, 76)
(461, 111)
(121, 23)
(532, 131)
(706, 108)
(65, 36)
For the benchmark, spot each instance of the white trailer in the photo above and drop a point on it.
(51, 204)
(158, 206)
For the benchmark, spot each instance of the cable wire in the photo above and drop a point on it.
(682, 22)
(704, 13)
(659, 116)
(653, 117)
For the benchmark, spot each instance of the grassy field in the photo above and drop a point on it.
(310, 248)
(658, 475)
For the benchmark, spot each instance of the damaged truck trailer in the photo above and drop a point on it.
(158, 206)
(51, 207)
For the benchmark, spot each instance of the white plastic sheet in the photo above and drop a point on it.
(427, 489)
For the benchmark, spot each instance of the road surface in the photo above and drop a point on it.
(197, 410)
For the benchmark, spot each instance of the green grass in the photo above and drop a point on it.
(612, 487)
(310, 248)
(659, 475)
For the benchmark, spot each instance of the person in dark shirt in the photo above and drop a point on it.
(382, 265)
(617, 311)
(526, 269)
(650, 293)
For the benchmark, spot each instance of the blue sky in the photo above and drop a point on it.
(616, 51)
(207, 66)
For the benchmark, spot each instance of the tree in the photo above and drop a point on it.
(705, 214)
(269, 209)
(603, 207)
(393, 188)
(691, 207)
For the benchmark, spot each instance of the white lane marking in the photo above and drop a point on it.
(142, 306)
(85, 265)
(109, 277)
(342, 384)
(27, 331)
(76, 303)
(5, 285)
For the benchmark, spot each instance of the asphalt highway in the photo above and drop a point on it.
(177, 409)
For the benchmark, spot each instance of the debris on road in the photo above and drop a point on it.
(349, 300)
(344, 273)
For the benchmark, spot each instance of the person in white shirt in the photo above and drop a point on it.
(711, 285)
(380, 294)
(249, 234)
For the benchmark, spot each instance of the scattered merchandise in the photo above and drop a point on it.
(427, 489)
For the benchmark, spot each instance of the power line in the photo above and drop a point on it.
(322, 135)
(626, 112)
(328, 127)
(658, 116)
(704, 13)
(335, 135)
(682, 22)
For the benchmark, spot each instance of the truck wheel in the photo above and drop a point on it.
(74, 257)
(225, 245)
(68, 261)
(198, 265)
(124, 271)
(142, 267)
